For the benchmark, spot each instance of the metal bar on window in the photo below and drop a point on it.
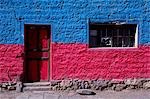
(100, 36)
(122, 42)
(117, 37)
(106, 32)
(129, 37)
(122, 37)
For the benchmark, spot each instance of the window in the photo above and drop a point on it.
(112, 35)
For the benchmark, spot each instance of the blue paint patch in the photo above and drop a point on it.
(69, 17)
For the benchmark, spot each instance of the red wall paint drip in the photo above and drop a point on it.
(72, 61)
(11, 62)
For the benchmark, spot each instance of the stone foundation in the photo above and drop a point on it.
(8, 86)
(115, 84)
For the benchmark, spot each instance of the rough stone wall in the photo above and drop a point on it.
(69, 21)
(75, 84)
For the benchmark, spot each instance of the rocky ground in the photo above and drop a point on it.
(125, 94)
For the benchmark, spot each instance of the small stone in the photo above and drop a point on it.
(19, 87)
(9, 83)
(69, 89)
(99, 84)
(4, 85)
(55, 88)
(85, 92)
(75, 85)
(119, 87)
(146, 85)
(13, 83)
(86, 85)
(62, 83)
(117, 81)
(131, 82)
(82, 85)
(11, 87)
(97, 87)
(131, 87)
(70, 84)
(55, 82)
(64, 87)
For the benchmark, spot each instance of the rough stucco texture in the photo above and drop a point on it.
(69, 17)
(70, 56)
(77, 61)
(11, 62)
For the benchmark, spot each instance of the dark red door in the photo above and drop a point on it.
(37, 53)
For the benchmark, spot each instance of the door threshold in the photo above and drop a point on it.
(37, 84)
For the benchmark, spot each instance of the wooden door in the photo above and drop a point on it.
(37, 53)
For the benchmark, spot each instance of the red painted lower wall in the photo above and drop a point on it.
(11, 62)
(71, 61)
(78, 61)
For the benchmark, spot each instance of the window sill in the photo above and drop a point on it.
(112, 48)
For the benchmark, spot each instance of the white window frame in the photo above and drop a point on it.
(134, 47)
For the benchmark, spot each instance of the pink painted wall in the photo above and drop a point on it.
(78, 61)
(71, 61)
(11, 62)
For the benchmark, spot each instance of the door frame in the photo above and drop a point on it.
(25, 75)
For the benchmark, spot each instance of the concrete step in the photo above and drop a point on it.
(41, 88)
(35, 84)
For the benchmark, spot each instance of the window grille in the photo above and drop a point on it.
(112, 35)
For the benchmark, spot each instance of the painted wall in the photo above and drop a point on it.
(11, 62)
(69, 19)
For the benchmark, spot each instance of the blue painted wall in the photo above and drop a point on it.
(69, 18)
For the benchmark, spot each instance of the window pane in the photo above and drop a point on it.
(119, 41)
(120, 32)
(93, 32)
(132, 32)
(132, 41)
(103, 33)
(112, 35)
(109, 32)
(125, 42)
(115, 32)
(93, 42)
(126, 32)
